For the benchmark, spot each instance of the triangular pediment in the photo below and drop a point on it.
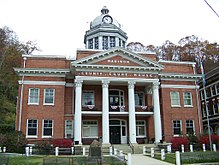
(117, 57)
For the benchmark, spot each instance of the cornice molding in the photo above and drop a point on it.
(61, 83)
(179, 86)
(177, 62)
(179, 77)
(41, 72)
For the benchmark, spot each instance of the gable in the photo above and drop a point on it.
(117, 57)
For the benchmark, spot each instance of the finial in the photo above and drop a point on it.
(104, 10)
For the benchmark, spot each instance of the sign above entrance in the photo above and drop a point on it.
(117, 74)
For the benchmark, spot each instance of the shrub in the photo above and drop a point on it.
(44, 147)
(62, 143)
(178, 141)
(205, 139)
(13, 141)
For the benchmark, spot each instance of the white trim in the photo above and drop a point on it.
(114, 79)
(69, 84)
(31, 136)
(35, 103)
(179, 86)
(43, 128)
(178, 62)
(62, 83)
(44, 96)
(43, 56)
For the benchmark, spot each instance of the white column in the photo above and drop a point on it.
(78, 118)
(132, 120)
(105, 112)
(157, 118)
(117, 41)
(100, 41)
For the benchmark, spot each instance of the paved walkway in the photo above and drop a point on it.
(139, 159)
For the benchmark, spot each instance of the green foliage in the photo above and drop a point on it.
(13, 141)
(44, 147)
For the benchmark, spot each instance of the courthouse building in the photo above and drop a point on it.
(107, 92)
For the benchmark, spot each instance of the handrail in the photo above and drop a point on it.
(131, 145)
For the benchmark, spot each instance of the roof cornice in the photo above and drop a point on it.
(178, 77)
(41, 72)
(177, 62)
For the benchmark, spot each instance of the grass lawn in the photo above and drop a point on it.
(64, 160)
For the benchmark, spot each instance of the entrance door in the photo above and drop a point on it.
(115, 135)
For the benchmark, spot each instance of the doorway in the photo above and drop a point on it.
(115, 135)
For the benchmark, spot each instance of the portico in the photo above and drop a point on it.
(126, 107)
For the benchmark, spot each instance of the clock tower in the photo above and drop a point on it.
(105, 32)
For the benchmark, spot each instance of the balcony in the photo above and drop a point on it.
(114, 108)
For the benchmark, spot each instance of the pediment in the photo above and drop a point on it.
(117, 57)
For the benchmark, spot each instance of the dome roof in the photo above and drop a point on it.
(98, 20)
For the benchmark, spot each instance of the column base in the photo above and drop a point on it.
(106, 145)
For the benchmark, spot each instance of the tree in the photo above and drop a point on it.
(11, 50)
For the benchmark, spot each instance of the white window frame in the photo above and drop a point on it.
(27, 127)
(171, 99)
(83, 100)
(143, 98)
(177, 127)
(184, 95)
(29, 97)
(46, 136)
(89, 127)
(139, 124)
(53, 97)
(216, 88)
(69, 131)
(193, 126)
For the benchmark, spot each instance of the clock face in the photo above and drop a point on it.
(107, 19)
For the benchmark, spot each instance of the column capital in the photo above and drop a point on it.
(105, 83)
(131, 84)
(78, 83)
(156, 85)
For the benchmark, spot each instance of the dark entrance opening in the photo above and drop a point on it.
(115, 135)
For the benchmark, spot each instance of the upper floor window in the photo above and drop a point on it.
(177, 127)
(105, 43)
(90, 43)
(140, 128)
(215, 106)
(187, 99)
(175, 99)
(90, 129)
(32, 128)
(217, 88)
(208, 92)
(96, 43)
(68, 129)
(47, 128)
(204, 110)
(112, 42)
(190, 127)
(202, 95)
(139, 99)
(213, 91)
(88, 98)
(49, 96)
(33, 96)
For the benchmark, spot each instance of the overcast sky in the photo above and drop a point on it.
(58, 26)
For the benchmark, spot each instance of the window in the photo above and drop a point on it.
(33, 96)
(47, 128)
(112, 42)
(90, 129)
(105, 43)
(213, 92)
(190, 127)
(202, 95)
(140, 128)
(32, 128)
(88, 98)
(68, 129)
(204, 110)
(187, 99)
(175, 100)
(139, 98)
(217, 88)
(177, 127)
(215, 107)
(49, 96)
(90, 43)
(96, 43)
